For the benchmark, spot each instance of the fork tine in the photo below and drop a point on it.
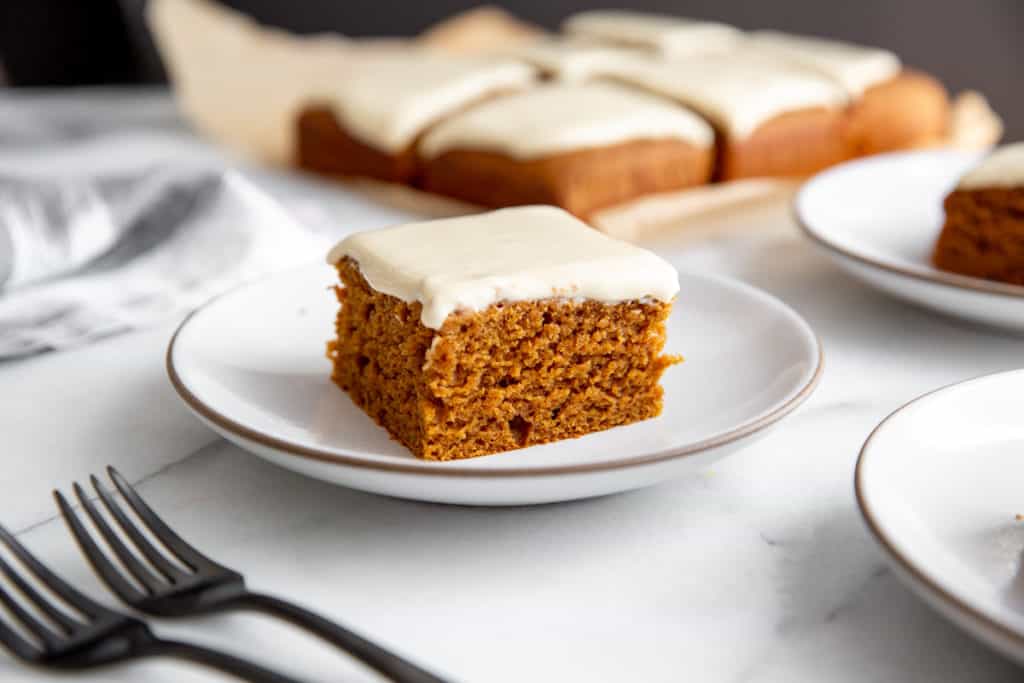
(175, 543)
(157, 558)
(44, 604)
(79, 601)
(40, 630)
(16, 644)
(132, 563)
(103, 566)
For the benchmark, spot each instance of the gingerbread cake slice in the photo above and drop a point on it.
(983, 235)
(369, 125)
(666, 35)
(772, 118)
(487, 333)
(893, 108)
(581, 147)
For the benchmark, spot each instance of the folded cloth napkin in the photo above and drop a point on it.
(84, 259)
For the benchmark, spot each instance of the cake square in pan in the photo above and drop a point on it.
(893, 108)
(773, 118)
(369, 125)
(581, 147)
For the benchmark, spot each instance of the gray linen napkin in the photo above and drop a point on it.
(84, 259)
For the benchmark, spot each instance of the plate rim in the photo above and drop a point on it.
(430, 468)
(890, 547)
(932, 276)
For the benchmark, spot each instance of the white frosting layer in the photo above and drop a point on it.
(569, 60)
(739, 91)
(855, 67)
(397, 96)
(671, 36)
(1002, 168)
(563, 117)
(522, 254)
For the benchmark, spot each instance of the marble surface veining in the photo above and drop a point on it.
(756, 571)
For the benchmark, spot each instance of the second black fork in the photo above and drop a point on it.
(52, 637)
(199, 585)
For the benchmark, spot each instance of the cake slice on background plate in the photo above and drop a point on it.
(983, 235)
(474, 335)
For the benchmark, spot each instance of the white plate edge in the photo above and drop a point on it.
(901, 268)
(934, 589)
(757, 424)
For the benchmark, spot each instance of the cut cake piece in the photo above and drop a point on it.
(983, 235)
(579, 147)
(474, 335)
(773, 118)
(369, 126)
(892, 107)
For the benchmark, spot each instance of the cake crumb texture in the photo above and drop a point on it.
(984, 234)
(509, 376)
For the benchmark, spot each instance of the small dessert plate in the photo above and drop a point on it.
(939, 483)
(251, 364)
(880, 217)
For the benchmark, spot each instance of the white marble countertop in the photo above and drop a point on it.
(757, 570)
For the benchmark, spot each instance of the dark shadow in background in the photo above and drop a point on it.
(62, 43)
(978, 44)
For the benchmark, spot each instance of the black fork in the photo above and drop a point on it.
(199, 585)
(96, 636)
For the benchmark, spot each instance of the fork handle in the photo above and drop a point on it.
(214, 659)
(391, 665)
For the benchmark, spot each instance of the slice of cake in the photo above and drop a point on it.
(983, 235)
(667, 35)
(893, 108)
(369, 125)
(580, 147)
(486, 333)
(773, 118)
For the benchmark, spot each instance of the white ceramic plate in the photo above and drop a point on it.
(251, 364)
(879, 217)
(939, 483)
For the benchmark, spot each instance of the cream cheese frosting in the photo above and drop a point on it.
(568, 60)
(395, 97)
(855, 67)
(672, 36)
(738, 91)
(521, 254)
(1002, 168)
(565, 117)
